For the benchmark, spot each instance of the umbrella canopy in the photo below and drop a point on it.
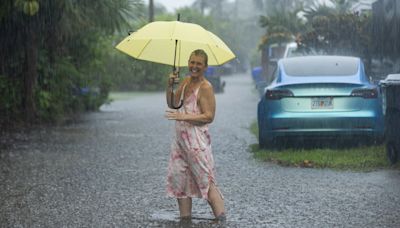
(172, 42)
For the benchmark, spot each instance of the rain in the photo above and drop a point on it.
(84, 141)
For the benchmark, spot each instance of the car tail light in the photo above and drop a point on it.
(365, 93)
(276, 94)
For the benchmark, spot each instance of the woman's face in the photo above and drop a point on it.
(197, 65)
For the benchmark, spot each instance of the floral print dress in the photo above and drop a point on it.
(191, 166)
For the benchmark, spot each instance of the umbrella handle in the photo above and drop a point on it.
(173, 96)
(175, 70)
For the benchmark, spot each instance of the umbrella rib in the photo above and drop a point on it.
(141, 51)
(180, 50)
(215, 57)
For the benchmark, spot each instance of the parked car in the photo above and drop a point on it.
(213, 76)
(319, 96)
(292, 50)
(276, 52)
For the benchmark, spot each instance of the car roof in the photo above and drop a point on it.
(292, 44)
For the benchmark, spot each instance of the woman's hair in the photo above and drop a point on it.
(202, 53)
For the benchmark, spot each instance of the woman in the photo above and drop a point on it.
(191, 171)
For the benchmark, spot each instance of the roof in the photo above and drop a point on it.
(362, 5)
(391, 79)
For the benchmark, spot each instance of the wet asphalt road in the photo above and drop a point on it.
(108, 170)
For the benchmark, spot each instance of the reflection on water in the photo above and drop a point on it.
(171, 219)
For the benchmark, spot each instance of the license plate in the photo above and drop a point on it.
(322, 103)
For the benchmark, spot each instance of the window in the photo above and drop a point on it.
(321, 66)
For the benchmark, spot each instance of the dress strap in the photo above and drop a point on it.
(183, 92)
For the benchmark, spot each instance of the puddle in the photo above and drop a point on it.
(165, 215)
(171, 219)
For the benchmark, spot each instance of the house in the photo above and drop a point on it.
(362, 6)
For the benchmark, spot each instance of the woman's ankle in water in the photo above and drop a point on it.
(221, 217)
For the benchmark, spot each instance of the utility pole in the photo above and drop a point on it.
(202, 6)
(151, 10)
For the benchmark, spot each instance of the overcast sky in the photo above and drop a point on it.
(171, 5)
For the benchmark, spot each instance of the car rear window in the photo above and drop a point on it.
(321, 66)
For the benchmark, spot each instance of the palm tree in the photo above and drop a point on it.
(282, 25)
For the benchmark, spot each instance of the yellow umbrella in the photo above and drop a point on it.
(172, 42)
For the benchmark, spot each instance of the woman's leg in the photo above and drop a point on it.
(216, 201)
(185, 207)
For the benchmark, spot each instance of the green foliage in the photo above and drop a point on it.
(125, 73)
(129, 74)
(10, 98)
(334, 32)
(282, 25)
(332, 29)
(57, 90)
(70, 49)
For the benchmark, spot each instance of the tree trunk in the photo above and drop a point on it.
(202, 6)
(151, 10)
(30, 74)
(265, 63)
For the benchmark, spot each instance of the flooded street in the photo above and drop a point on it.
(108, 170)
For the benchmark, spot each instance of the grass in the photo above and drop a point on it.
(361, 158)
(117, 96)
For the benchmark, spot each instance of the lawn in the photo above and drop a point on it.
(357, 158)
(115, 96)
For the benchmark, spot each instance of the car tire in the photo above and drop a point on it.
(392, 152)
(264, 142)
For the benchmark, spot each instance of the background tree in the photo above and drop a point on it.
(49, 49)
(282, 25)
(236, 23)
(338, 31)
(325, 28)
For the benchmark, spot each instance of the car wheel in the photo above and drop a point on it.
(392, 152)
(264, 141)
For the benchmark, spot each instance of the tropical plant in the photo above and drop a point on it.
(336, 30)
(39, 36)
(282, 23)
